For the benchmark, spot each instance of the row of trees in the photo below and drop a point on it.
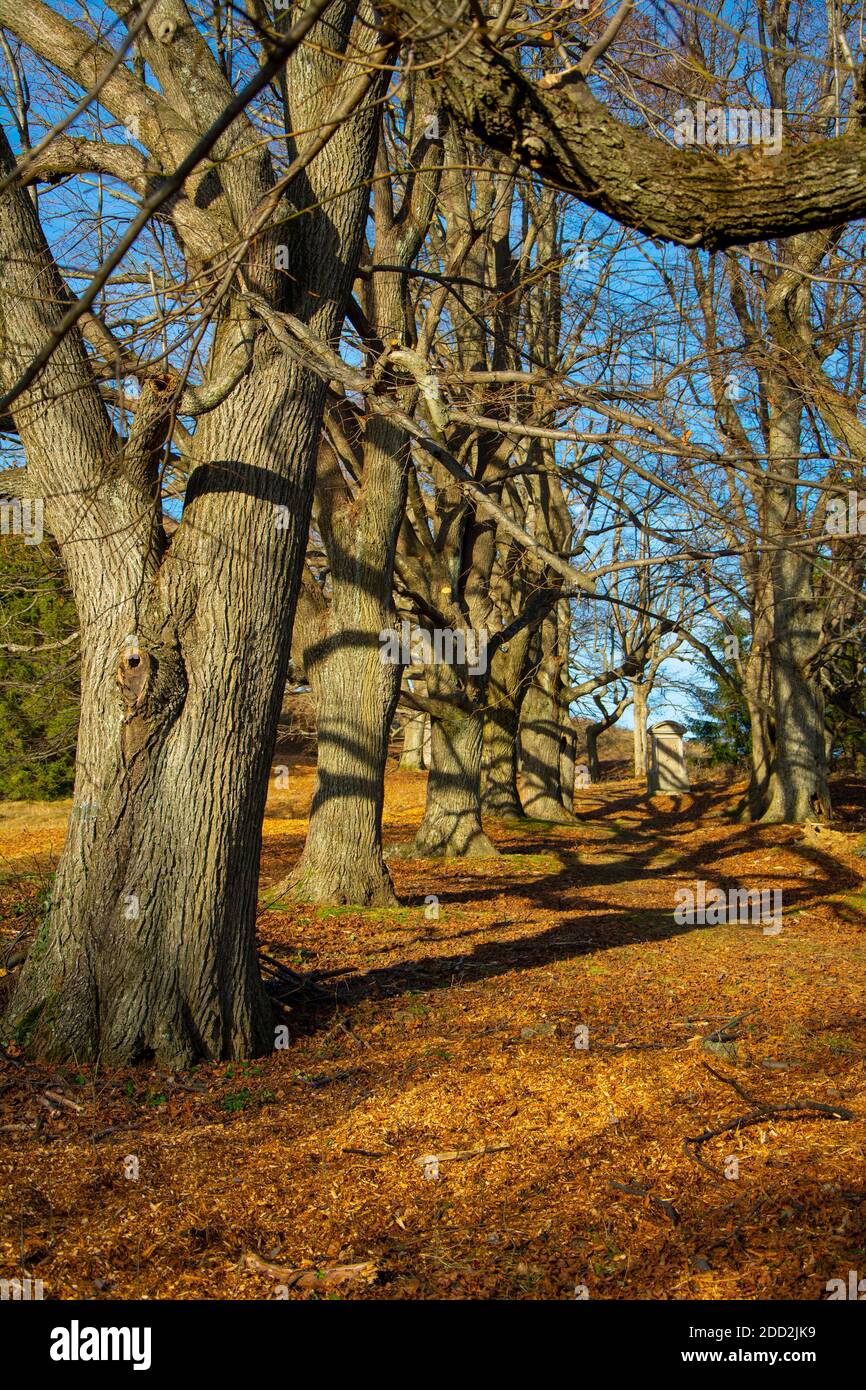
(383, 340)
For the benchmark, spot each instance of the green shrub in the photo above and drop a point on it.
(39, 690)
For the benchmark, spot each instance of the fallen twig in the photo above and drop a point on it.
(61, 1100)
(112, 1129)
(366, 1271)
(342, 1024)
(723, 1033)
(286, 982)
(763, 1112)
(838, 1112)
(328, 1079)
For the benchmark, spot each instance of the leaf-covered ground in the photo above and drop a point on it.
(456, 1036)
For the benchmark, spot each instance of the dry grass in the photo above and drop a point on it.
(457, 1034)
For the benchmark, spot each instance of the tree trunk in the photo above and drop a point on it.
(641, 716)
(356, 696)
(499, 794)
(799, 788)
(568, 767)
(355, 688)
(412, 756)
(148, 951)
(540, 739)
(592, 733)
(758, 691)
(451, 827)
(149, 947)
(355, 691)
(541, 725)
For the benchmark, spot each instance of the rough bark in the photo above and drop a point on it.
(592, 735)
(541, 726)
(355, 697)
(640, 706)
(758, 692)
(149, 946)
(149, 949)
(412, 756)
(451, 827)
(356, 691)
(799, 788)
(499, 794)
(561, 131)
(568, 767)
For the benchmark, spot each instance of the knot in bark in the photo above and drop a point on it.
(133, 677)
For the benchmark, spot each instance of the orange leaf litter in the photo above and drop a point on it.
(560, 1166)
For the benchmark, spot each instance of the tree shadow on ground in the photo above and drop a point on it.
(591, 920)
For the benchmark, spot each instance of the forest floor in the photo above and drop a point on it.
(561, 1167)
